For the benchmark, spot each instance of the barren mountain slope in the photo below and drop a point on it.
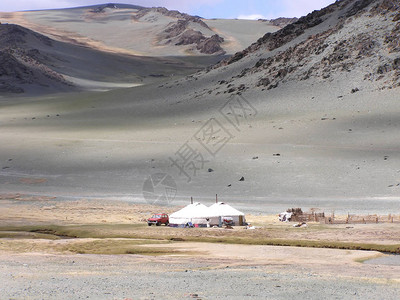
(21, 66)
(361, 38)
(143, 31)
(34, 63)
(326, 138)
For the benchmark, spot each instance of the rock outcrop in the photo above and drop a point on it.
(211, 45)
(365, 40)
(283, 22)
(20, 64)
(183, 31)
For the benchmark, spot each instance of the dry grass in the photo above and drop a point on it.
(116, 246)
(268, 236)
(88, 246)
(85, 219)
(26, 235)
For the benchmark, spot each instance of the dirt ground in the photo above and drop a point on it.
(18, 209)
(39, 265)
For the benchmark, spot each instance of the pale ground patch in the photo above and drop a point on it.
(100, 86)
(49, 268)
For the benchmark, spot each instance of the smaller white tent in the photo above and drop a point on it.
(195, 213)
(222, 210)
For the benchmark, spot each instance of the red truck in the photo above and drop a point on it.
(158, 219)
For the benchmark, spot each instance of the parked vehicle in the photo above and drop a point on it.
(158, 219)
(228, 221)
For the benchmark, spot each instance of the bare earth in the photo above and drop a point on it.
(320, 130)
(192, 269)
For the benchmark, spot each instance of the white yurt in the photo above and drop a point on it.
(196, 213)
(222, 210)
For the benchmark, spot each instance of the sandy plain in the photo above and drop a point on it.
(338, 152)
(115, 255)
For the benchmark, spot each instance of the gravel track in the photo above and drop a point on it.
(33, 276)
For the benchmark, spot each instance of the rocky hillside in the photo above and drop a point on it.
(143, 31)
(20, 64)
(358, 37)
(31, 62)
(182, 31)
(282, 22)
(193, 30)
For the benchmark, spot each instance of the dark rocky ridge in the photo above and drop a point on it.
(36, 64)
(20, 64)
(169, 13)
(14, 35)
(271, 41)
(190, 36)
(179, 32)
(211, 45)
(373, 51)
(10, 67)
(282, 22)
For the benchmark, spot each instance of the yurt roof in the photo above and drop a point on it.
(192, 210)
(223, 209)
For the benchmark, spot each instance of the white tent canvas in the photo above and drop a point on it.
(225, 210)
(195, 213)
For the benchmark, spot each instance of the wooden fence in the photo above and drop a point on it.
(299, 216)
(361, 219)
